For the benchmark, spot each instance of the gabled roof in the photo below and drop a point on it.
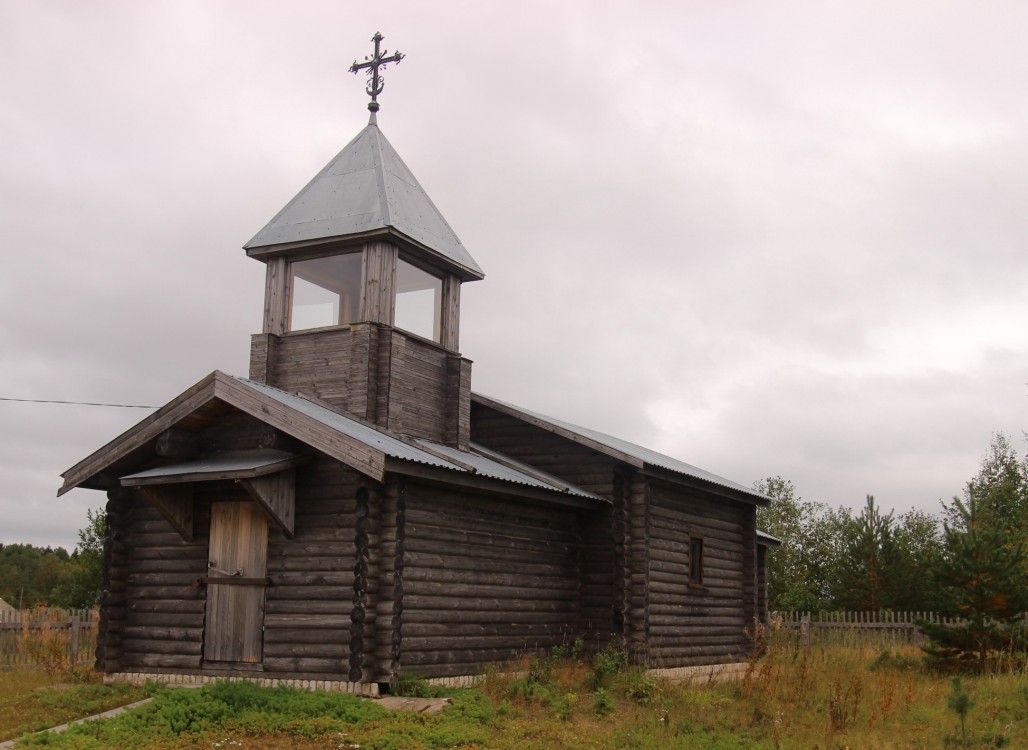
(616, 448)
(367, 187)
(364, 447)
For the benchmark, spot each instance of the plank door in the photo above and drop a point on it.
(236, 570)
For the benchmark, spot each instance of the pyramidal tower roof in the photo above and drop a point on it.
(367, 190)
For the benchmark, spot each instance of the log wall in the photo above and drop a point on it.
(408, 384)
(707, 624)
(311, 362)
(564, 458)
(154, 602)
(311, 596)
(485, 580)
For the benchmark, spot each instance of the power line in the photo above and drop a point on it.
(77, 403)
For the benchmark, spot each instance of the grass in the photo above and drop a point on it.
(831, 699)
(32, 700)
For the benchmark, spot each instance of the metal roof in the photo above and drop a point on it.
(433, 454)
(387, 444)
(366, 187)
(638, 452)
(215, 464)
(506, 468)
(763, 536)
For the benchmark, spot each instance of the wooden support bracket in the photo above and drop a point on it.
(175, 503)
(276, 494)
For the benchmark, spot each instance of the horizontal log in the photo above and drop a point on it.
(151, 646)
(514, 576)
(304, 548)
(163, 619)
(418, 644)
(310, 592)
(158, 661)
(306, 635)
(461, 631)
(458, 561)
(169, 606)
(310, 563)
(450, 617)
(343, 578)
(305, 667)
(339, 606)
(307, 621)
(273, 650)
(413, 602)
(470, 592)
(152, 633)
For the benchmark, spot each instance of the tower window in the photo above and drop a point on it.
(325, 291)
(419, 297)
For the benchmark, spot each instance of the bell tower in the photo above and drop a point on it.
(362, 293)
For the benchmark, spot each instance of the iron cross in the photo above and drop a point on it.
(373, 63)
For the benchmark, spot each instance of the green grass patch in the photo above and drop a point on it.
(31, 700)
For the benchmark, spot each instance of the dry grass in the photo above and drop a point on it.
(829, 699)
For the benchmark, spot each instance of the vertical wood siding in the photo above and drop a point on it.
(693, 626)
(485, 580)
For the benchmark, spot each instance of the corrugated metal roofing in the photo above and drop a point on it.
(368, 435)
(489, 467)
(645, 455)
(215, 464)
(402, 450)
(764, 536)
(366, 186)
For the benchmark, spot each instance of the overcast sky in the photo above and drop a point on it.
(764, 238)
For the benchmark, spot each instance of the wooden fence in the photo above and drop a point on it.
(34, 637)
(858, 628)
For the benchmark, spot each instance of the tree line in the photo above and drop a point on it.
(42, 576)
(969, 561)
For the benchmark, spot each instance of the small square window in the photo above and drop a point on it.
(695, 561)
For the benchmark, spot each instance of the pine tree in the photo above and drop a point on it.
(982, 577)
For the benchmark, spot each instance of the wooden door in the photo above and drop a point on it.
(236, 570)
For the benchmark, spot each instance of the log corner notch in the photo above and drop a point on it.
(276, 495)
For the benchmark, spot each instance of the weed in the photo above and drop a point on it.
(565, 705)
(43, 642)
(604, 705)
(412, 686)
(607, 663)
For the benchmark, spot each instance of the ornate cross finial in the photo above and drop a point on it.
(373, 63)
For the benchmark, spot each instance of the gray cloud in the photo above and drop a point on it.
(765, 238)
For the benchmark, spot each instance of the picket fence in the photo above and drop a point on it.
(858, 628)
(71, 633)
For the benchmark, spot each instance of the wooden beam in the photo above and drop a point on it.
(276, 494)
(136, 436)
(175, 503)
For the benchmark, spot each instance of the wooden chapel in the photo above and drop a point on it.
(352, 512)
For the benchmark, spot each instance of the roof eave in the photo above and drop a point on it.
(323, 244)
